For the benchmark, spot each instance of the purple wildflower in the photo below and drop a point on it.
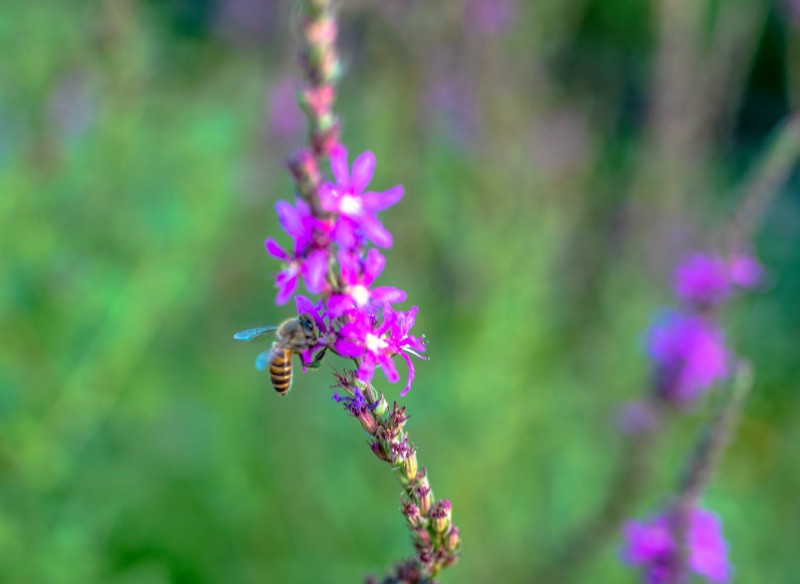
(357, 208)
(745, 271)
(702, 280)
(690, 356)
(382, 341)
(357, 276)
(310, 256)
(652, 545)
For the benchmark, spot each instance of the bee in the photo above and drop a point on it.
(293, 337)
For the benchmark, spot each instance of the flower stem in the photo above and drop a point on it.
(763, 183)
(321, 66)
(704, 462)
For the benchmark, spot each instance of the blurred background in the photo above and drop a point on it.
(559, 156)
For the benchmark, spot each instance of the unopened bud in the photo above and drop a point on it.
(424, 498)
(452, 541)
(410, 465)
(381, 408)
(367, 422)
(380, 452)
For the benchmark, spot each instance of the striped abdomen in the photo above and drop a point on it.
(280, 368)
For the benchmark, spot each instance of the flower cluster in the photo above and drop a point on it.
(686, 345)
(652, 545)
(331, 252)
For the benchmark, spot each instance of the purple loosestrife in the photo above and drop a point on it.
(653, 546)
(687, 346)
(333, 226)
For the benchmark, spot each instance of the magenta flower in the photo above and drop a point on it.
(357, 276)
(652, 545)
(377, 342)
(745, 271)
(309, 259)
(358, 209)
(690, 355)
(702, 280)
(312, 268)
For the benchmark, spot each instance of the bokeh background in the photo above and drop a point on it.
(558, 156)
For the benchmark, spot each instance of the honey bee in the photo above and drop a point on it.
(293, 336)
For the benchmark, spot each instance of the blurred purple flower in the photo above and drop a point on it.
(690, 355)
(745, 271)
(702, 280)
(652, 545)
(357, 208)
(490, 17)
(357, 276)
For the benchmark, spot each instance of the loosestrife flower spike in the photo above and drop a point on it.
(652, 545)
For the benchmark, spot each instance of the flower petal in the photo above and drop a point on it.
(286, 282)
(351, 268)
(347, 348)
(290, 219)
(389, 369)
(375, 231)
(276, 250)
(373, 266)
(329, 198)
(378, 201)
(338, 304)
(387, 294)
(411, 374)
(345, 233)
(363, 170)
(315, 268)
(339, 165)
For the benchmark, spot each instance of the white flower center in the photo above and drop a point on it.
(374, 344)
(350, 205)
(360, 294)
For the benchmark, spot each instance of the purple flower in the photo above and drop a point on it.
(377, 342)
(310, 256)
(326, 337)
(702, 280)
(358, 209)
(652, 545)
(705, 280)
(357, 276)
(312, 268)
(690, 355)
(745, 271)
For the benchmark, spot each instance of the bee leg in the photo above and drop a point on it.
(317, 361)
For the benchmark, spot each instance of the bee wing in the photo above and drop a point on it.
(254, 333)
(262, 361)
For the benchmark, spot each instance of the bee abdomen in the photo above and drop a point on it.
(280, 369)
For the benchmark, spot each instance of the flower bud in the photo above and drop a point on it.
(440, 515)
(423, 493)
(451, 540)
(381, 408)
(410, 465)
(414, 517)
(368, 423)
(378, 449)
